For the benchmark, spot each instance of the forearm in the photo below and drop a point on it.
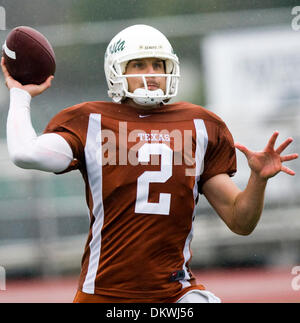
(19, 127)
(248, 205)
(49, 152)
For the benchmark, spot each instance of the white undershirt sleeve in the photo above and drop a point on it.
(48, 152)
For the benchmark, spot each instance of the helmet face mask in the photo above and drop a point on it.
(137, 42)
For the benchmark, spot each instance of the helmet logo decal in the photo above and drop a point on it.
(117, 47)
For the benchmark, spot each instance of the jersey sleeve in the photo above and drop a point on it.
(220, 157)
(66, 125)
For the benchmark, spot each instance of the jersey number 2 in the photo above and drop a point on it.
(142, 205)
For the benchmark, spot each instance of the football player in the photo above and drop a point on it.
(141, 212)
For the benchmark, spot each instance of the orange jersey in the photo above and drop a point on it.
(143, 172)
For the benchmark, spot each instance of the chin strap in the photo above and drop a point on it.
(147, 97)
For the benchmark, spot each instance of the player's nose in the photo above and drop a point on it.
(150, 69)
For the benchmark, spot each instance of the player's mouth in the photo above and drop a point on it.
(152, 86)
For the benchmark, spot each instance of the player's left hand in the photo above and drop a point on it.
(268, 163)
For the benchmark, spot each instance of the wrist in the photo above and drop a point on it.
(258, 178)
(19, 97)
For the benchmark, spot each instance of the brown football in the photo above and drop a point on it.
(28, 55)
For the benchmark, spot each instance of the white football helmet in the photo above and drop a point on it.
(140, 41)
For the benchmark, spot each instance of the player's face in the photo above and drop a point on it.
(146, 66)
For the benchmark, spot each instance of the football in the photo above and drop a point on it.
(28, 55)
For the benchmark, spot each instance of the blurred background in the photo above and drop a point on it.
(239, 59)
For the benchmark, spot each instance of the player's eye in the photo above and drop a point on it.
(158, 65)
(138, 65)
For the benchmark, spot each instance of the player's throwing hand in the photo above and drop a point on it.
(268, 163)
(32, 89)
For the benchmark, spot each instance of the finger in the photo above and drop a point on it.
(35, 89)
(49, 81)
(45, 85)
(288, 157)
(282, 147)
(243, 149)
(5, 72)
(4, 69)
(287, 170)
(272, 140)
